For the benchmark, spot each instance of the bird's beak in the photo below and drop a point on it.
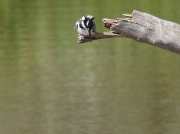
(92, 18)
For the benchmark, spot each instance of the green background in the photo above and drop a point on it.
(49, 84)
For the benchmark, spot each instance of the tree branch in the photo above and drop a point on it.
(97, 36)
(142, 27)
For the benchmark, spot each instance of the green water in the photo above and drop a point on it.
(49, 84)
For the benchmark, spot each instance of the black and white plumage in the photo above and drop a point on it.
(85, 26)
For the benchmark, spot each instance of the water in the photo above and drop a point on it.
(51, 85)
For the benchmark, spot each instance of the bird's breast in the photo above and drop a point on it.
(83, 32)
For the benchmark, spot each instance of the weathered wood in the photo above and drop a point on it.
(146, 28)
(96, 36)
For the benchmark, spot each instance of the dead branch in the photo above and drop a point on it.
(96, 36)
(142, 27)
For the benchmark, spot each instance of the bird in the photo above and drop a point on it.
(86, 26)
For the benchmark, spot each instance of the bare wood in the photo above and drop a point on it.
(143, 27)
(96, 36)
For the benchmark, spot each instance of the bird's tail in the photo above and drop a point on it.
(89, 35)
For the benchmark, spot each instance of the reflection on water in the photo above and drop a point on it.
(49, 84)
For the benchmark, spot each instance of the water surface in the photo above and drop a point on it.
(51, 85)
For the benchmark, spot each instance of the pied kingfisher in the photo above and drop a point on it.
(85, 26)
